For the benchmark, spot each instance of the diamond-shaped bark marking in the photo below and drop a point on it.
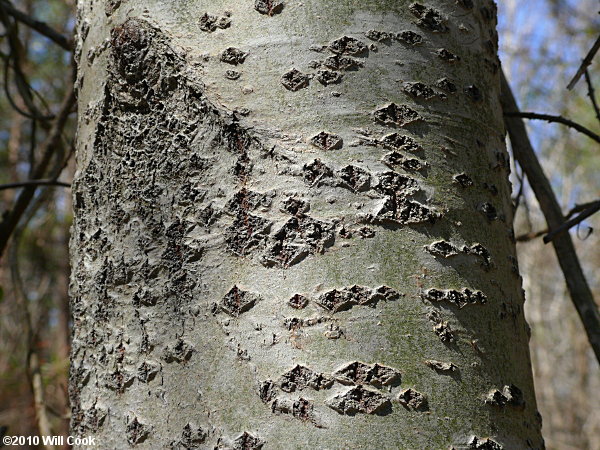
(246, 441)
(360, 373)
(136, 431)
(338, 62)
(353, 373)
(237, 301)
(384, 376)
(296, 239)
(327, 77)
(442, 248)
(405, 211)
(301, 377)
(355, 178)
(510, 395)
(347, 45)
(429, 18)
(400, 115)
(459, 298)
(413, 400)
(232, 55)
(484, 444)
(395, 184)
(298, 301)
(300, 408)
(326, 141)
(396, 159)
(335, 300)
(245, 233)
(342, 299)
(419, 90)
(268, 7)
(315, 172)
(359, 400)
(294, 80)
(395, 141)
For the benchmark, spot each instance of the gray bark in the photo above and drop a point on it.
(293, 229)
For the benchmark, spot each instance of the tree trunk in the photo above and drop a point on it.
(293, 229)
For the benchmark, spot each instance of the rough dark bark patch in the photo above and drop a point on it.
(210, 23)
(347, 45)
(247, 441)
(463, 180)
(238, 301)
(446, 55)
(232, 55)
(355, 178)
(396, 159)
(429, 18)
(268, 7)
(299, 237)
(327, 77)
(409, 37)
(510, 395)
(379, 36)
(359, 400)
(294, 80)
(301, 377)
(459, 298)
(446, 85)
(327, 141)
(374, 374)
(484, 444)
(338, 62)
(413, 400)
(343, 299)
(397, 141)
(396, 115)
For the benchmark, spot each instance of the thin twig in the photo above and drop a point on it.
(38, 26)
(32, 336)
(592, 93)
(585, 63)
(579, 290)
(571, 223)
(531, 236)
(556, 119)
(45, 182)
(582, 207)
(11, 218)
(536, 234)
(15, 55)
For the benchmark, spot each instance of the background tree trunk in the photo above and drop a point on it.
(293, 229)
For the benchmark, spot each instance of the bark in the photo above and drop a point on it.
(293, 229)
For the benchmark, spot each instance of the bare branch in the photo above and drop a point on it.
(530, 236)
(15, 55)
(592, 93)
(579, 290)
(585, 63)
(11, 218)
(38, 26)
(21, 184)
(556, 119)
(594, 208)
(582, 207)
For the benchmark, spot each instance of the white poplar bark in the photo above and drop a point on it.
(293, 228)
